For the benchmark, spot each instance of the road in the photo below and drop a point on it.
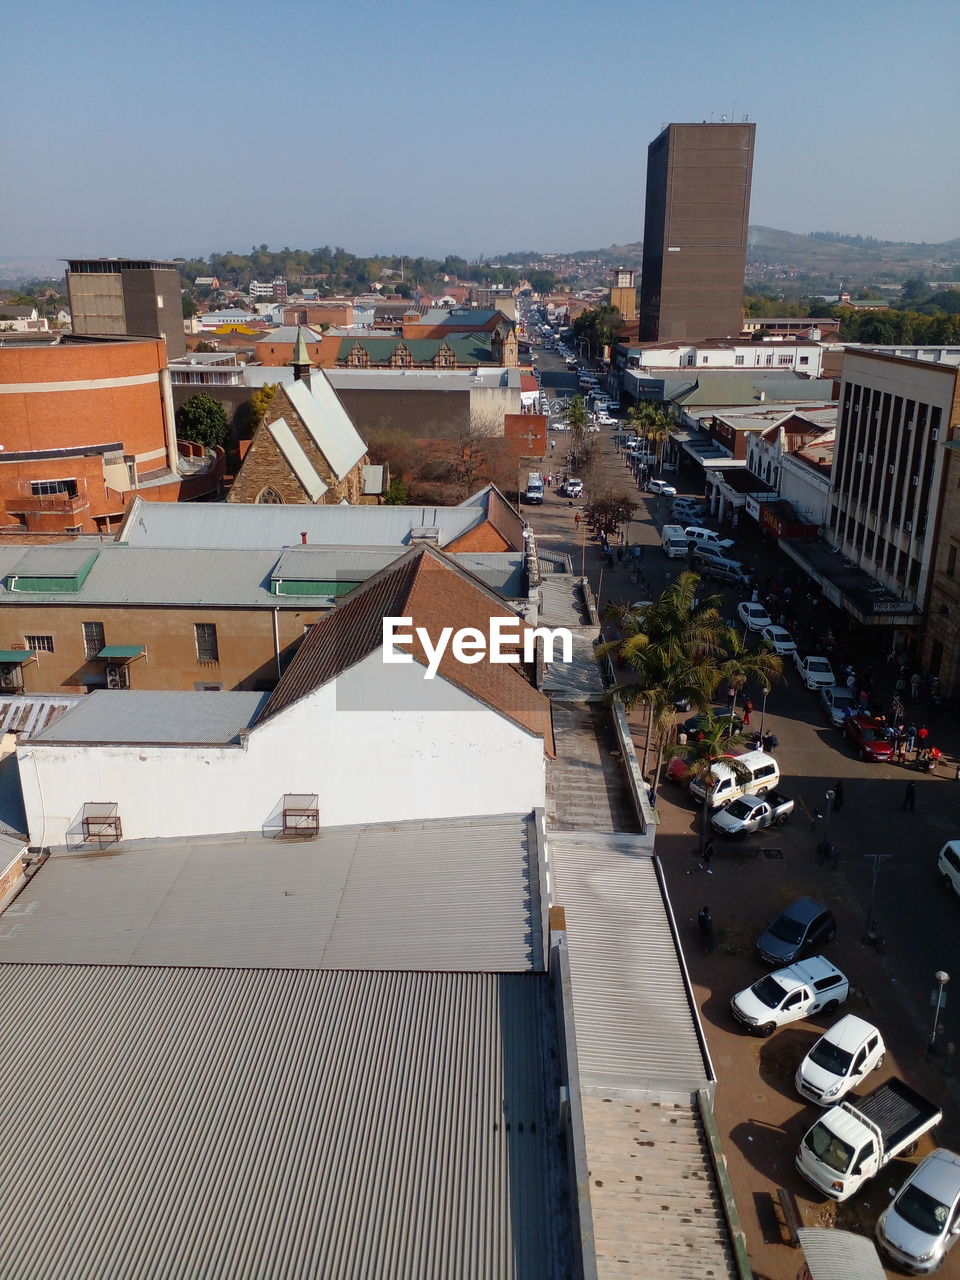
(761, 1116)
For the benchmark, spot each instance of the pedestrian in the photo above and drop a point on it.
(902, 749)
(754, 596)
(770, 743)
(747, 708)
(915, 681)
(923, 733)
(911, 736)
(910, 798)
(707, 855)
(851, 681)
(576, 519)
(900, 688)
(705, 921)
(838, 795)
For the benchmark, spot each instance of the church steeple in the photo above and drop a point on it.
(301, 356)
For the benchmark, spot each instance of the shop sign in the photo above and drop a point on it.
(753, 508)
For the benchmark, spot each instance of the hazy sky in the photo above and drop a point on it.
(434, 126)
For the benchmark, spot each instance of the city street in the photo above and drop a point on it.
(762, 1118)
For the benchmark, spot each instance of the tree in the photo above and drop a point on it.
(397, 493)
(204, 346)
(543, 281)
(203, 420)
(717, 739)
(188, 306)
(260, 403)
(609, 512)
(742, 662)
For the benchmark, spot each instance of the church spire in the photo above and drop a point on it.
(301, 356)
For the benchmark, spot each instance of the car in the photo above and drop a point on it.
(605, 420)
(797, 931)
(700, 537)
(572, 487)
(753, 616)
(922, 1222)
(695, 723)
(814, 986)
(836, 700)
(661, 487)
(815, 671)
(840, 1060)
(868, 737)
(779, 639)
(948, 864)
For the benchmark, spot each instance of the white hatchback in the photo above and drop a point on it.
(779, 639)
(839, 1061)
(754, 616)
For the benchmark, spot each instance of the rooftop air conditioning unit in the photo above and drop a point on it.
(10, 679)
(118, 678)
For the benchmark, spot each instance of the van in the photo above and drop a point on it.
(707, 538)
(729, 571)
(674, 541)
(948, 864)
(763, 774)
(706, 555)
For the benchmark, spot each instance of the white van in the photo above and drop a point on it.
(674, 541)
(948, 864)
(699, 537)
(763, 774)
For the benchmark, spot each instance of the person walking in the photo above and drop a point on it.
(838, 796)
(923, 733)
(747, 708)
(910, 798)
(707, 855)
(911, 732)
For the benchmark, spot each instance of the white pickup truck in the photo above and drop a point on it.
(751, 813)
(854, 1140)
(810, 986)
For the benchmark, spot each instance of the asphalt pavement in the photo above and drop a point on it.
(917, 918)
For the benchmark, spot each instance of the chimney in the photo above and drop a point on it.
(303, 539)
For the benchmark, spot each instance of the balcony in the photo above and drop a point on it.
(22, 500)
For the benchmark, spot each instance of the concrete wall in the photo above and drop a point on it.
(355, 743)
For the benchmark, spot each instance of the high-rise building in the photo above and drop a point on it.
(123, 297)
(695, 231)
(623, 293)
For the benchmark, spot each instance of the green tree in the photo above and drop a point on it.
(203, 420)
(717, 739)
(397, 493)
(188, 306)
(609, 512)
(260, 403)
(543, 281)
(204, 346)
(742, 663)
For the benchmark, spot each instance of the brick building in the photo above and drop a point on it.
(85, 424)
(306, 450)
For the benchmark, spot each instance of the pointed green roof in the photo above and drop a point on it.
(301, 355)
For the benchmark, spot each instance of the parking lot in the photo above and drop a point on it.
(762, 1117)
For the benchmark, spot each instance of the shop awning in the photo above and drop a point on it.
(119, 652)
(16, 655)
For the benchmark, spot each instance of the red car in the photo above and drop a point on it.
(869, 738)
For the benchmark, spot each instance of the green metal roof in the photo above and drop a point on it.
(121, 651)
(469, 349)
(16, 655)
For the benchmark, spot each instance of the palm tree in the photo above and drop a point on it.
(741, 662)
(717, 739)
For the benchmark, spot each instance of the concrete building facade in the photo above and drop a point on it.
(125, 297)
(695, 231)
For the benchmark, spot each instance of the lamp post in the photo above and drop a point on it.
(868, 933)
(763, 709)
(942, 978)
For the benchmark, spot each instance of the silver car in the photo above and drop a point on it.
(923, 1221)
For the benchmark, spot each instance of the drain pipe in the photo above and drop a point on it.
(276, 639)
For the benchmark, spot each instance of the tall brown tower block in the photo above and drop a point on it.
(695, 231)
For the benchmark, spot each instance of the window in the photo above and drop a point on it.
(952, 560)
(804, 359)
(205, 634)
(93, 638)
(739, 359)
(785, 360)
(39, 644)
(44, 488)
(74, 528)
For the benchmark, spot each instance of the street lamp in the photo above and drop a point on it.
(824, 846)
(869, 933)
(763, 709)
(942, 978)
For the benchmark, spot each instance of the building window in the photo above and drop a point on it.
(769, 357)
(804, 359)
(785, 360)
(205, 634)
(739, 359)
(93, 638)
(270, 496)
(74, 528)
(705, 360)
(952, 561)
(39, 644)
(44, 488)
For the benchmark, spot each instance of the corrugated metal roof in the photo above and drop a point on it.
(54, 562)
(636, 1024)
(839, 1255)
(257, 525)
(250, 1125)
(328, 422)
(437, 895)
(27, 714)
(155, 717)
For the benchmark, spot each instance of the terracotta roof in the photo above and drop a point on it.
(429, 588)
(502, 517)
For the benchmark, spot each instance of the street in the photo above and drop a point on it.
(762, 1118)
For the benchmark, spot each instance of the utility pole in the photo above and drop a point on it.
(868, 934)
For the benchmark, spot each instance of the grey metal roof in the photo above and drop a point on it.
(579, 680)
(240, 525)
(327, 421)
(839, 1255)
(637, 1025)
(250, 1125)
(446, 895)
(155, 716)
(54, 562)
(27, 714)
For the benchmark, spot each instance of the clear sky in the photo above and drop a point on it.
(436, 126)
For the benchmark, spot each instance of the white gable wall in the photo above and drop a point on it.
(384, 762)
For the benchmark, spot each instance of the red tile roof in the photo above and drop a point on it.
(434, 592)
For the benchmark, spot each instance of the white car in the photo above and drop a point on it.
(923, 1221)
(809, 986)
(779, 640)
(840, 1059)
(662, 487)
(815, 672)
(754, 616)
(605, 420)
(573, 488)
